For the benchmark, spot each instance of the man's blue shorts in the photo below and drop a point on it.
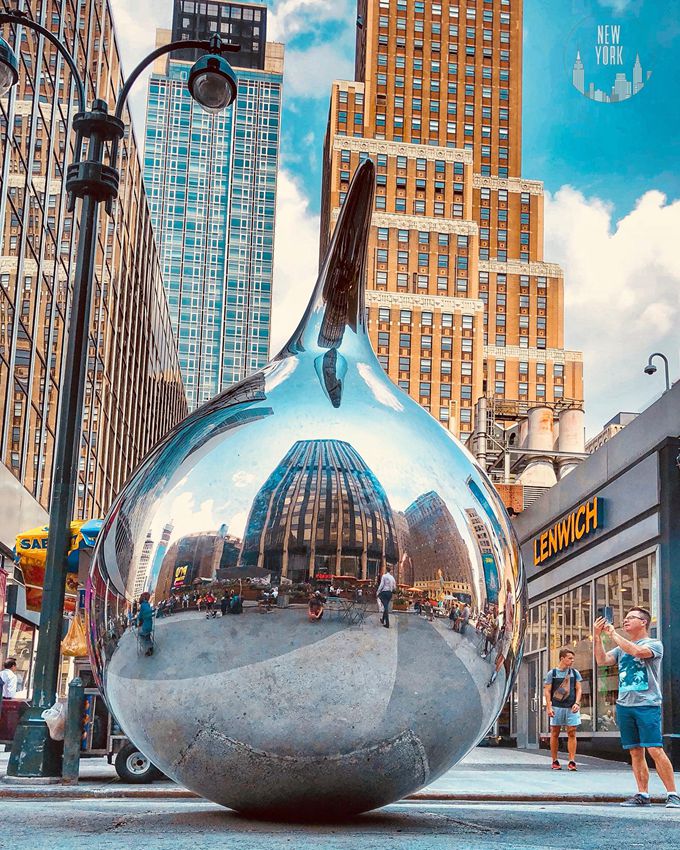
(639, 725)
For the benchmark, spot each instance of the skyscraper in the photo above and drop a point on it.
(578, 74)
(212, 185)
(133, 391)
(637, 75)
(461, 302)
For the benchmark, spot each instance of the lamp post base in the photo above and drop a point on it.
(34, 753)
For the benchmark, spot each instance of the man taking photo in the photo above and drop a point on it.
(638, 707)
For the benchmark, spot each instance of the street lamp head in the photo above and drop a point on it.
(212, 83)
(9, 67)
(650, 369)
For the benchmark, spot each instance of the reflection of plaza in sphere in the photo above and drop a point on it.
(284, 481)
(380, 688)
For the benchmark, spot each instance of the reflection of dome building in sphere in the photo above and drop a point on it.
(340, 523)
(435, 543)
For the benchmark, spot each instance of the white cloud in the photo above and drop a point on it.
(621, 293)
(309, 73)
(616, 5)
(296, 259)
(286, 18)
(135, 26)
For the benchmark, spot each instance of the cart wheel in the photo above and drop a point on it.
(134, 767)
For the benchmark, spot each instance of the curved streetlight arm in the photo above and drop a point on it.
(19, 18)
(665, 363)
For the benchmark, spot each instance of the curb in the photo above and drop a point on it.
(80, 793)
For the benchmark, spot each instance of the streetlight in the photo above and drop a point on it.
(214, 87)
(650, 368)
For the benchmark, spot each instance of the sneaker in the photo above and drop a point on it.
(673, 801)
(556, 765)
(572, 766)
(637, 800)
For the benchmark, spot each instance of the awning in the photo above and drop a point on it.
(30, 553)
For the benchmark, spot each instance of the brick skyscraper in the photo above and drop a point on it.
(461, 302)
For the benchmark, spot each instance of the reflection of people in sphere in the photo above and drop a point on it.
(508, 614)
(145, 622)
(315, 610)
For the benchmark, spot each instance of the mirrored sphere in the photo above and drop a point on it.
(270, 677)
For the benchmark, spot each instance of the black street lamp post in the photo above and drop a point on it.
(213, 85)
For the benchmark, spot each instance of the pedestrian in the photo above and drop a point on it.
(562, 690)
(8, 681)
(386, 588)
(145, 622)
(504, 636)
(464, 617)
(638, 707)
(453, 616)
(315, 607)
(224, 604)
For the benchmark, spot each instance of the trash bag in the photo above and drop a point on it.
(75, 643)
(55, 717)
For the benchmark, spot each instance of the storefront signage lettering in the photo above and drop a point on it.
(581, 522)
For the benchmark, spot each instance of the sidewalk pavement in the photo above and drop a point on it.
(487, 774)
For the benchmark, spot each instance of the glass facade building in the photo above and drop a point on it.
(211, 180)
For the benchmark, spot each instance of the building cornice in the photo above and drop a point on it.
(410, 151)
(417, 222)
(516, 267)
(512, 184)
(346, 85)
(446, 303)
(542, 355)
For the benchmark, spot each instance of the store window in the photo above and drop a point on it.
(622, 589)
(571, 624)
(20, 646)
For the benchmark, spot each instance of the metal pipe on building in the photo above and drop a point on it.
(480, 428)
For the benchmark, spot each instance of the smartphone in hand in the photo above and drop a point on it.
(607, 613)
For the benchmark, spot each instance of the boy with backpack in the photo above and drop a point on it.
(562, 690)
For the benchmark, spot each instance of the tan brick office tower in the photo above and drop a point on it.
(461, 301)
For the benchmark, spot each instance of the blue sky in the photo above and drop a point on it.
(612, 210)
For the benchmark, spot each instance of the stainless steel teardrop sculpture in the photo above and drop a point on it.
(314, 476)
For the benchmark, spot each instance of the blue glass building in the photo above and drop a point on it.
(211, 182)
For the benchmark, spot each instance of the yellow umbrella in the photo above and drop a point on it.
(31, 555)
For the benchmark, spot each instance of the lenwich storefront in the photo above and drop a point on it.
(604, 539)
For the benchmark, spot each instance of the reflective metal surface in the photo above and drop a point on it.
(312, 476)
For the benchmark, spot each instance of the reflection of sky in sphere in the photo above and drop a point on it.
(203, 500)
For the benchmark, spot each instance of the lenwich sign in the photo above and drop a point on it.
(582, 521)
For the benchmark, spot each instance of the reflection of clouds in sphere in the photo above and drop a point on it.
(308, 476)
(242, 478)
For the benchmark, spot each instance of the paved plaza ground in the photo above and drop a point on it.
(487, 773)
(190, 824)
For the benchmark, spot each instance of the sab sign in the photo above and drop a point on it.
(581, 522)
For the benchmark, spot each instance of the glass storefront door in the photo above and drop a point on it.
(534, 700)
